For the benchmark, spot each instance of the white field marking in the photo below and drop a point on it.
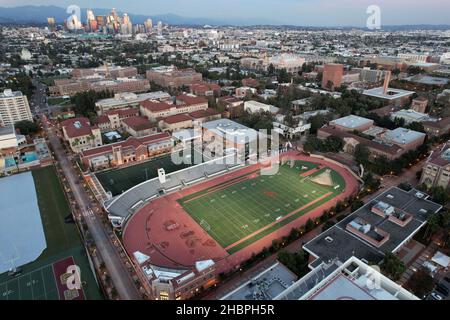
(278, 210)
(223, 196)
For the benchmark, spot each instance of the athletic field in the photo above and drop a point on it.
(40, 279)
(242, 210)
(118, 181)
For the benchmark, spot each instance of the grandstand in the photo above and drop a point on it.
(122, 206)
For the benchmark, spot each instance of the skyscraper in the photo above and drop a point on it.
(126, 26)
(148, 25)
(160, 28)
(51, 23)
(91, 22)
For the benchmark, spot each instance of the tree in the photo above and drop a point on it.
(421, 283)
(392, 266)
(362, 154)
(296, 262)
(440, 195)
(357, 204)
(26, 127)
(309, 225)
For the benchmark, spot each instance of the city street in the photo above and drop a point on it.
(120, 276)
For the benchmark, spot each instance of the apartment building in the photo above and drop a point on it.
(13, 107)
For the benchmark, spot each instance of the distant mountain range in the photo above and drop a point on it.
(39, 15)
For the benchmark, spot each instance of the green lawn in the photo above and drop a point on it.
(243, 208)
(120, 180)
(62, 241)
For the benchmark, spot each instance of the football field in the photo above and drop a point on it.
(242, 210)
(36, 285)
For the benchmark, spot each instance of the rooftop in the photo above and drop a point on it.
(352, 121)
(402, 136)
(351, 280)
(339, 243)
(391, 94)
(231, 130)
(265, 286)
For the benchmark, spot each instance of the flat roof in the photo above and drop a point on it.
(352, 121)
(339, 243)
(391, 95)
(231, 129)
(265, 286)
(403, 136)
(7, 130)
(22, 237)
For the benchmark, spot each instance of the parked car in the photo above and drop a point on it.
(447, 279)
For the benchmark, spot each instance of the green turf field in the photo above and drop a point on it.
(62, 240)
(119, 180)
(36, 285)
(241, 209)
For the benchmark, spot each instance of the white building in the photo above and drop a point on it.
(14, 107)
(255, 107)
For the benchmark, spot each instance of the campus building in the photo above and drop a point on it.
(132, 150)
(383, 225)
(348, 280)
(129, 99)
(13, 107)
(80, 135)
(172, 77)
(436, 171)
(332, 75)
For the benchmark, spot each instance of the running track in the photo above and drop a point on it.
(145, 231)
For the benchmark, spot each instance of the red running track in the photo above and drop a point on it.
(146, 231)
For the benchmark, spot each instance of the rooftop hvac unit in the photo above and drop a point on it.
(420, 195)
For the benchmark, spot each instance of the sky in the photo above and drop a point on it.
(295, 12)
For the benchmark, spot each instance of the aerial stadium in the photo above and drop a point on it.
(188, 226)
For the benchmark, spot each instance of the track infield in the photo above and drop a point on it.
(240, 211)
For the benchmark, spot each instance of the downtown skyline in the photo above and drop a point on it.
(315, 13)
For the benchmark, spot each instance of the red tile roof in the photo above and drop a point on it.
(84, 127)
(138, 123)
(155, 106)
(177, 118)
(189, 100)
(204, 113)
(130, 142)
